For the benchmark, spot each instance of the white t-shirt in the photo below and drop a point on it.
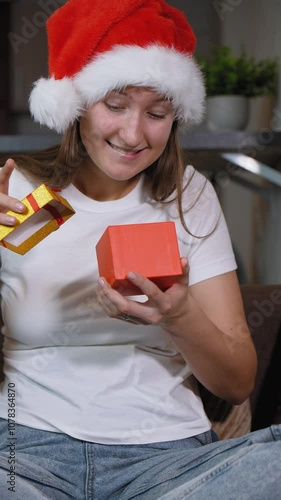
(78, 371)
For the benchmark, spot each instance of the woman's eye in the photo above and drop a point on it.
(157, 116)
(113, 107)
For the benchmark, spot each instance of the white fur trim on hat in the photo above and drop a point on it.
(175, 75)
(55, 103)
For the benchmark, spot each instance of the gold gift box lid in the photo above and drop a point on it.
(46, 212)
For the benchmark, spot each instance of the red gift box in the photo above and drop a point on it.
(149, 249)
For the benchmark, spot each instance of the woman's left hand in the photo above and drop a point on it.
(160, 308)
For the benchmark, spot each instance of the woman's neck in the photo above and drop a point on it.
(96, 185)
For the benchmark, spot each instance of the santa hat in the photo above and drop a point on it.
(96, 46)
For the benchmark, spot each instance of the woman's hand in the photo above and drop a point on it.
(160, 308)
(6, 201)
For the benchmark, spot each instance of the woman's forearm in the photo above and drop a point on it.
(224, 362)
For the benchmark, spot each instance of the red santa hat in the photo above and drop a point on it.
(96, 46)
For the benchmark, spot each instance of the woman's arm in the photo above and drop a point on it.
(206, 322)
(213, 336)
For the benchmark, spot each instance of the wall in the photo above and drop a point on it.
(28, 57)
(269, 242)
(262, 40)
(204, 20)
(4, 67)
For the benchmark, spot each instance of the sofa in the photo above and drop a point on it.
(262, 305)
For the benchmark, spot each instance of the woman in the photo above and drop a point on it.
(107, 404)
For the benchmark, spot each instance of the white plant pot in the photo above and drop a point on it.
(261, 112)
(227, 112)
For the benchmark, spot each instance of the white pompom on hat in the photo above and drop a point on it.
(95, 48)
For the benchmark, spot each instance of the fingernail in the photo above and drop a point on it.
(10, 220)
(20, 206)
(132, 276)
(101, 282)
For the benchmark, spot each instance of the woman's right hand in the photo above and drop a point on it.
(6, 201)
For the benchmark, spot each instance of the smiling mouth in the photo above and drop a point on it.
(124, 151)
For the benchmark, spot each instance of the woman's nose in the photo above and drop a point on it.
(132, 131)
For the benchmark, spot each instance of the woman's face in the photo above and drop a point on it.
(126, 132)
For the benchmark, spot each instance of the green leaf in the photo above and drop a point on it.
(243, 75)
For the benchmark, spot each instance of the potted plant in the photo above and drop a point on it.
(262, 96)
(231, 82)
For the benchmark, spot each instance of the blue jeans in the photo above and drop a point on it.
(56, 466)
